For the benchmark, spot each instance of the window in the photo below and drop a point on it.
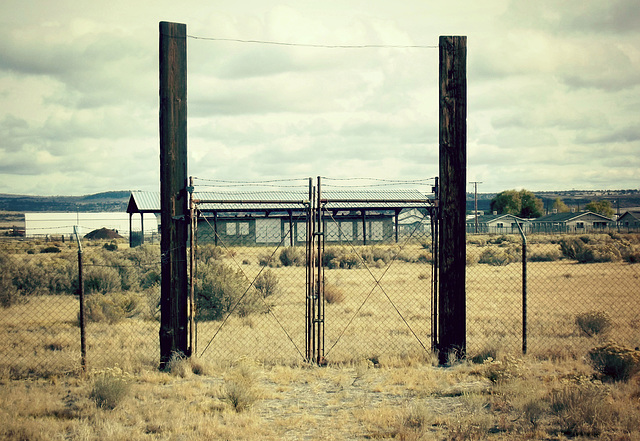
(346, 230)
(376, 230)
(231, 228)
(243, 228)
(579, 225)
(500, 225)
(268, 230)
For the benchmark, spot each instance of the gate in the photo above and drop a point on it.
(319, 275)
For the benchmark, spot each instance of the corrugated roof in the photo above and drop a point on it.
(144, 201)
(287, 200)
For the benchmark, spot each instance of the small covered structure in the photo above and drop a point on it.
(146, 204)
(267, 217)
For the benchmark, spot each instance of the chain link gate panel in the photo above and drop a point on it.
(249, 284)
(377, 279)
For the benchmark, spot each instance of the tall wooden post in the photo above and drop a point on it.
(173, 190)
(453, 177)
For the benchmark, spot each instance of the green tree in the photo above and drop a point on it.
(521, 203)
(507, 202)
(602, 207)
(560, 206)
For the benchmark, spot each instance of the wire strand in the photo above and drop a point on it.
(323, 46)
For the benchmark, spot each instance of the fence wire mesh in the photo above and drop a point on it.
(579, 291)
(250, 292)
(377, 288)
(39, 320)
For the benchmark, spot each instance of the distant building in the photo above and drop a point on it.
(580, 222)
(57, 224)
(630, 221)
(497, 224)
(272, 217)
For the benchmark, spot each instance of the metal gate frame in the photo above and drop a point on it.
(314, 250)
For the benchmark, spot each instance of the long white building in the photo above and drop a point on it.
(55, 223)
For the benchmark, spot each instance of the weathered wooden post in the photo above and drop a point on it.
(453, 178)
(173, 190)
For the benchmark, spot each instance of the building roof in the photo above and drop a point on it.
(568, 217)
(141, 201)
(144, 202)
(489, 218)
(633, 213)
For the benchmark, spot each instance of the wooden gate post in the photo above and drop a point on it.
(173, 190)
(453, 177)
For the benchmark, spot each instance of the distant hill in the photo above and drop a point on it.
(106, 201)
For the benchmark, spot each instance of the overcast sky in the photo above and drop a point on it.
(553, 92)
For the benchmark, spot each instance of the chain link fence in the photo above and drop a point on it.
(574, 292)
(40, 332)
(251, 297)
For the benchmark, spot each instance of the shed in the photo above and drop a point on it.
(578, 222)
(258, 218)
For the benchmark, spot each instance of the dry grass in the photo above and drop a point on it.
(247, 400)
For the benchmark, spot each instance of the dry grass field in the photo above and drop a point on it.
(249, 380)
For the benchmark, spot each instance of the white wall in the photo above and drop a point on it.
(53, 223)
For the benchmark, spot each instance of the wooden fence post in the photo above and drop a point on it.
(173, 190)
(453, 177)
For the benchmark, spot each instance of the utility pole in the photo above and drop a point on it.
(475, 201)
(453, 198)
(173, 191)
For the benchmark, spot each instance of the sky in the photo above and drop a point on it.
(553, 92)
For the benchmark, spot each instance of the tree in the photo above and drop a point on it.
(507, 202)
(602, 207)
(521, 203)
(560, 206)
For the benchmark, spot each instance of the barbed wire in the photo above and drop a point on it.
(317, 46)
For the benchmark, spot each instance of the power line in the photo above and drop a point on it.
(325, 46)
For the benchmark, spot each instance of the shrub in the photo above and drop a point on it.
(8, 293)
(239, 389)
(113, 246)
(267, 283)
(425, 257)
(545, 256)
(333, 294)
(114, 307)
(292, 257)
(267, 259)
(101, 279)
(593, 323)
(631, 256)
(615, 362)
(221, 290)
(578, 250)
(209, 252)
(496, 257)
(52, 249)
(351, 260)
(498, 371)
(109, 388)
(581, 409)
